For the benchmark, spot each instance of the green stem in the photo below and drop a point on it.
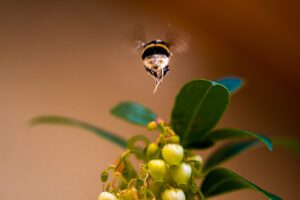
(122, 159)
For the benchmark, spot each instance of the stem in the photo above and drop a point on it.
(131, 182)
(118, 174)
(122, 159)
(200, 195)
(151, 193)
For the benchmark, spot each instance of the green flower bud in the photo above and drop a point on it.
(172, 154)
(198, 161)
(175, 139)
(152, 151)
(152, 126)
(107, 196)
(196, 158)
(181, 174)
(157, 170)
(104, 176)
(173, 194)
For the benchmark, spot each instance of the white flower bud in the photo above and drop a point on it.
(181, 174)
(157, 169)
(107, 196)
(173, 194)
(172, 154)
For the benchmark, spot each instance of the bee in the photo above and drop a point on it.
(156, 54)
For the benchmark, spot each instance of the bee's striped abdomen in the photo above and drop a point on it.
(156, 47)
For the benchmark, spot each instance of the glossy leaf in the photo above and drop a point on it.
(220, 180)
(198, 107)
(58, 120)
(233, 84)
(229, 133)
(202, 144)
(134, 113)
(227, 151)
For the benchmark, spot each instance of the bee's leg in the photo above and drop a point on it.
(159, 79)
(155, 76)
(157, 82)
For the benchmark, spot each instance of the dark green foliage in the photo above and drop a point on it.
(198, 107)
(83, 125)
(225, 152)
(227, 134)
(134, 113)
(221, 180)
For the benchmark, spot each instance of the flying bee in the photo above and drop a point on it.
(156, 54)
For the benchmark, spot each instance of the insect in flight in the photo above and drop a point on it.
(156, 54)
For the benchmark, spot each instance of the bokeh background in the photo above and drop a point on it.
(73, 59)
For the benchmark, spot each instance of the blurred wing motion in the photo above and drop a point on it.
(138, 37)
(176, 39)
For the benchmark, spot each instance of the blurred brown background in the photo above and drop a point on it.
(71, 59)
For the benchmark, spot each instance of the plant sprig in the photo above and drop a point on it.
(198, 107)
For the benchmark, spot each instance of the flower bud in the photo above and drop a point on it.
(181, 174)
(157, 169)
(107, 196)
(172, 154)
(198, 161)
(174, 139)
(196, 158)
(173, 194)
(152, 151)
(104, 176)
(160, 121)
(152, 126)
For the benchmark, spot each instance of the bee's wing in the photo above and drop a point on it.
(137, 37)
(176, 39)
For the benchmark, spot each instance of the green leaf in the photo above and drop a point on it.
(202, 144)
(229, 133)
(228, 151)
(76, 123)
(198, 107)
(287, 143)
(233, 84)
(134, 113)
(221, 180)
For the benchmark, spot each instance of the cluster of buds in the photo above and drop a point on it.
(168, 171)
